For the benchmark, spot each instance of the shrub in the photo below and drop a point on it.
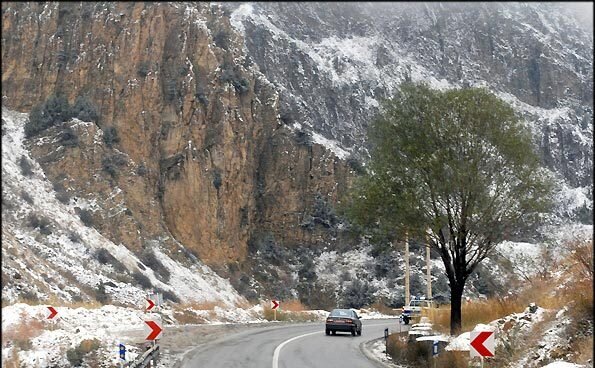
(222, 39)
(416, 354)
(110, 136)
(25, 165)
(168, 295)
(323, 212)
(142, 280)
(29, 296)
(230, 74)
(76, 355)
(141, 170)
(217, 181)
(85, 110)
(143, 69)
(170, 89)
(40, 223)
(201, 96)
(101, 295)
(74, 237)
(61, 193)
(111, 163)
(303, 138)
(55, 109)
(69, 137)
(86, 217)
(23, 344)
(103, 256)
(358, 294)
(356, 165)
(148, 258)
(26, 197)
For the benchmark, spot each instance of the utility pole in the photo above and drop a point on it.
(428, 270)
(407, 295)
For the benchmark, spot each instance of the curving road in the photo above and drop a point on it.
(289, 346)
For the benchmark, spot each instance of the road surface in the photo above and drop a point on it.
(289, 346)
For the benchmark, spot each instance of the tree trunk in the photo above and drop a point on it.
(456, 296)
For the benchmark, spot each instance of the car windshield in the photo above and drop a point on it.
(341, 313)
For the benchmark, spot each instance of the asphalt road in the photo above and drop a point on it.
(289, 346)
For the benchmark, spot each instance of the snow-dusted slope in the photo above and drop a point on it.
(334, 63)
(61, 257)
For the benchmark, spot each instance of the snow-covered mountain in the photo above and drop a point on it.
(333, 63)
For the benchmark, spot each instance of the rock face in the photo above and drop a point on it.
(240, 126)
(334, 63)
(201, 154)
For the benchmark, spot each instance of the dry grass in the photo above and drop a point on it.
(415, 354)
(292, 306)
(21, 334)
(13, 362)
(539, 292)
(188, 317)
(583, 350)
(208, 305)
(453, 359)
(244, 304)
(382, 308)
(292, 311)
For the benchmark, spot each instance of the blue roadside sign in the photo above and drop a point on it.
(435, 348)
(122, 352)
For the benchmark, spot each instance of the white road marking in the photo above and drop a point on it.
(281, 345)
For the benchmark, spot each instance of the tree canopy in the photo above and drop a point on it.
(457, 166)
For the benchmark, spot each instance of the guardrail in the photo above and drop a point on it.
(148, 356)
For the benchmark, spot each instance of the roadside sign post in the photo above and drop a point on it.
(386, 341)
(122, 354)
(482, 344)
(434, 351)
(274, 305)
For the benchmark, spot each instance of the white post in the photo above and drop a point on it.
(428, 271)
(407, 295)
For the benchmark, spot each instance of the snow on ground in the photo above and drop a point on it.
(331, 145)
(111, 325)
(522, 322)
(71, 326)
(560, 364)
(61, 254)
(377, 350)
(58, 264)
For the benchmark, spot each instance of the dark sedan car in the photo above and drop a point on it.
(345, 320)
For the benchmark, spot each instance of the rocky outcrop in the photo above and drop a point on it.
(201, 156)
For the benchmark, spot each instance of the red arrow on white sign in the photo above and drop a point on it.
(53, 312)
(274, 304)
(155, 330)
(482, 343)
(150, 305)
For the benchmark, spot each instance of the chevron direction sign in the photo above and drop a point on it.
(274, 304)
(150, 304)
(154, 329)
(482, 343)
(51, 313)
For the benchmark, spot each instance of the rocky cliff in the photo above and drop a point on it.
(333, 63)
(201, 153)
